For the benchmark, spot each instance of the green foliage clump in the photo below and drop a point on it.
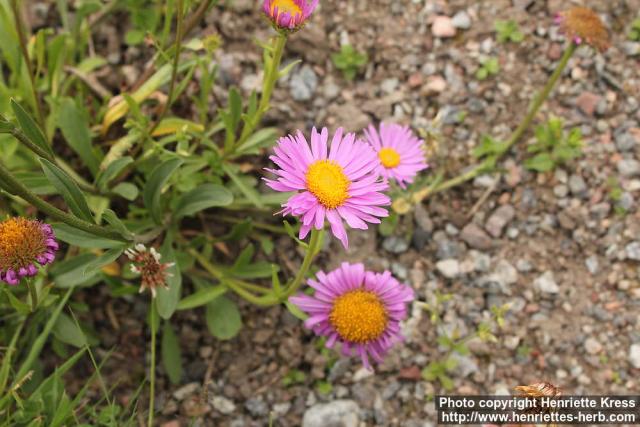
(508, 31)
(452, 344)
(553, 146)
(488, 67)
(634, 32)
(349, 61)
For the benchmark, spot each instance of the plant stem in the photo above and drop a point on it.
(152, 369)
(16, 187)
(535, 105)
(237, 286)
(271, 75)
(314, 248)
(22, 41)
(176, 63)
(34, 295)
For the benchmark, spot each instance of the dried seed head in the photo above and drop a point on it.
(536, 391)
(153, 273)
(582, 24)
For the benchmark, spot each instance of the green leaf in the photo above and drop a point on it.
(70, 273)
(112, 171)
(235, 107)
(68, 331)
(168, 298)
(541, 162)
(223, 318)
(153, 188)
(263, 138)
(293, 309)
(21, 307)
(250, 193)
(482, 73)
(68, 189)
(30, 128)
(36, 182)
(204, 197)
(127, 190)
(112, 219)
(82, 239)
(105, 259)
(74, 128)
(171, 357)
(201, 297)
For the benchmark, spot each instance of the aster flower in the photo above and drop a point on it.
(289, 15)
(401, 153)
(337, 182)
(24, 244)
(359, 309)
(146, 263)
(582, 24)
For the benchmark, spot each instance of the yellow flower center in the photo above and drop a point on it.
(328, 182)
(21, 240)
(286, 6)
(389, 157)
(358, 316)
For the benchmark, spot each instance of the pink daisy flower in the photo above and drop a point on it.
(337, 183)
(289, 14)
(24, 245)
(359, 309)
(401, 153)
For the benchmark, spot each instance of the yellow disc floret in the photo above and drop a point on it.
(358, 316)
(21, 240)
(389, 157)
(285, 6)
(328, 182)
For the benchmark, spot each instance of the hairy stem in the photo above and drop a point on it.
(152, 369)
(22, 41)
(34, 294)
(315, 244)
(271, 75)
(176, 63)
(238, 286)
(14, 186)
(537, 102)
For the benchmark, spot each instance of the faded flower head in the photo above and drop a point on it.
(146, 263)
(538, 391)
(359, 309)
(541, 389)
(24, 244)
(337, 182)
(289, 15)
(582, 24)
(401, 153)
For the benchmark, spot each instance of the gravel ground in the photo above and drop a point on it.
(559, 247)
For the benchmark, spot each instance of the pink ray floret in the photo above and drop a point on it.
(289, 14)
(337, 182)
(359, 309)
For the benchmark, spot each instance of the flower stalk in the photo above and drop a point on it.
(273, 58)
(33, 292)
(535, 105)
(152, 369)
(315, 244)
(22, 41)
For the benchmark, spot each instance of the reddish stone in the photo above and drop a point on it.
(587, 103)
